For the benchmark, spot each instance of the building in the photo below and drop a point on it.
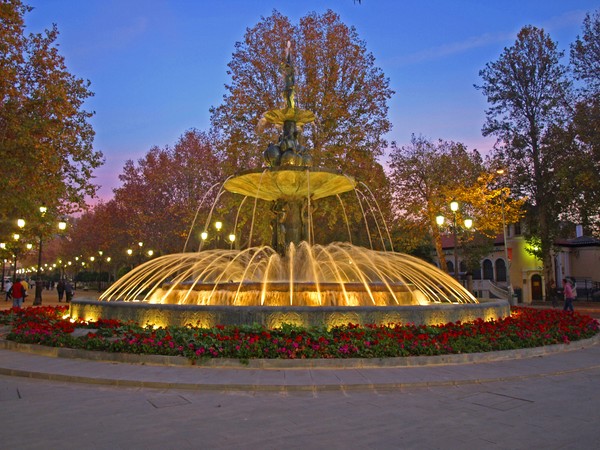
(578, 257)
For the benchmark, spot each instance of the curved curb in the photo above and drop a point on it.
(385, 376)
(241, 387)
(312, 364)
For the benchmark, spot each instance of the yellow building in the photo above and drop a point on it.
(578, 258)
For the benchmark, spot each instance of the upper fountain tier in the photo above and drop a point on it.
(290, 176)
(290, 183)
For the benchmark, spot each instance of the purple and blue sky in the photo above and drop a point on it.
(157, 66)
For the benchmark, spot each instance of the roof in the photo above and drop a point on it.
(581, 241)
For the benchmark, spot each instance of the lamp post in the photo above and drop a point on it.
(3, 247)
(231, 240)
(203, 238)
(109, 270)
(468, 223)
(454, 208)
(504, 233)
(140, 245)
(62, 225)
(100, 260)
(218, 227)
(16, 237)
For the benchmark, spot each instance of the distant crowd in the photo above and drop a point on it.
(19, 290)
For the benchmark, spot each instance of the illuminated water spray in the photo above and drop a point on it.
(291, 271)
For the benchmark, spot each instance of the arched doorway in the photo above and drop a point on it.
(536, 287)
(500, 270)
(488, 270)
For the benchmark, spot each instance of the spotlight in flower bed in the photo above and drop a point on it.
(526, 327)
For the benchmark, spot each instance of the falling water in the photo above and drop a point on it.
(337, 274)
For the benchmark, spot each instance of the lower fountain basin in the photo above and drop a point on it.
(207, 316)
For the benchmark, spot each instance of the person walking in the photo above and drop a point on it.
(552, 294)
(26, 287)
(17, 291)
(60, 288)
(8, 286)
(568, 294)
(68, 291)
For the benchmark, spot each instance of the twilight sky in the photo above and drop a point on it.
(157, 66)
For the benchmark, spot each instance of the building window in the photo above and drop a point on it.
(477, 274)
(450, 266)
(488, 270)
(517, 228)
(500, 270)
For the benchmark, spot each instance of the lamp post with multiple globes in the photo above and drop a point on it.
(62, 226)
(217, 241)
(468, 223)
(16, 237)
(504, 233)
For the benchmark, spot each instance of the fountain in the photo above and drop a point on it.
(293, 280)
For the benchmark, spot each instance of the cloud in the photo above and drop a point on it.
(568, 19)
(452, 48)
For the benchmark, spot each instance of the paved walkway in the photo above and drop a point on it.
(509, 400)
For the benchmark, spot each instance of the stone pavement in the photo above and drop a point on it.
(507, 400)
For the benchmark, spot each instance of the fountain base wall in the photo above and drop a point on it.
(272, 317)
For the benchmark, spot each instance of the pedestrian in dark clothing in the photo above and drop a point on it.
(69, 291)
(60, 288)
(552, 294)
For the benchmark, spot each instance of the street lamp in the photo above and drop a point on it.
(504, 233)
(140, 255)
(16, 237)
(218, 227)
(454, 208)
(468, 223)
(231, 240)
(3, 247)
(62, 225)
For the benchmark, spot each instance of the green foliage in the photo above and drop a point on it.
(583, 186)
(528, 94)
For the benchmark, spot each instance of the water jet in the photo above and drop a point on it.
(292, 280)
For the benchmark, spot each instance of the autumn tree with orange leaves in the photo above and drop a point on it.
(336, 79)
(426, 176)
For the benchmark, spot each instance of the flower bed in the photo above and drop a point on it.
(526, 327)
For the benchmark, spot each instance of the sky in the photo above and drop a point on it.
(157, 66)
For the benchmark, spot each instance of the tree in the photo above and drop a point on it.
(45, 134)
(426, 176)
(528, 93)
(336, 78)
(161, 194)
(101, 228)
(585, 55)
(422, 177)
(584, 183)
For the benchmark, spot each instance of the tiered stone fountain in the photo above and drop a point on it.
(292, 280)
